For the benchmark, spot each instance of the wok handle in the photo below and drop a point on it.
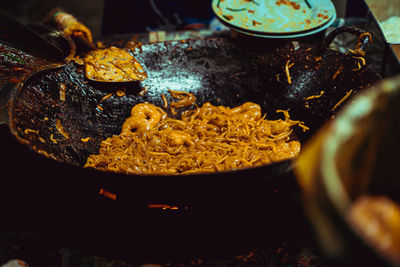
(364, 38)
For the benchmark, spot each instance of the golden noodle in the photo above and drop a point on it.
(206, 139)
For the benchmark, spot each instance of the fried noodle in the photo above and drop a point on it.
(206, 139)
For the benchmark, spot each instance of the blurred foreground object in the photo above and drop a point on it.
(15, 263)
(377, 219)
(350, 179)
(391, 28)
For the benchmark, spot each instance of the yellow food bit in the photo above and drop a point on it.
(359, 65)
(185, 99)
(338, 71)
(52, 139)
(287, 67)
(28, 131)
(120, 93)
(44, 153)
(60, 129)
(342, 100)
(298, 123)
(85, 140)
(79, 60)
(106, 97)
(315, 96)
(304, 127)
(62, 92)
(99, 108)
(357, 50)
(165, 101)
(361, 59)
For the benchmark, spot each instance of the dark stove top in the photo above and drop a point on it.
(28, 248)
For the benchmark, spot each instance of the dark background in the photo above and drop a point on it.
(90, 12)
(87, 11)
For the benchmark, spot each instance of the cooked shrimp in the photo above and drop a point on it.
(178, 138)
(248, 110)
(144, 116)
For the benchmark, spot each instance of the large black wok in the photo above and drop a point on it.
(53, 192)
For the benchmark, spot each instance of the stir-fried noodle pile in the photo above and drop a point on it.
(206, 139)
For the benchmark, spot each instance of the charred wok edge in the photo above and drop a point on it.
(14, 94)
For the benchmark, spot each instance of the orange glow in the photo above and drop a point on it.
(162, 206)
(107, 194)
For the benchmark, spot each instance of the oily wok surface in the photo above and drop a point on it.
(58, 102)
(64, 116)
